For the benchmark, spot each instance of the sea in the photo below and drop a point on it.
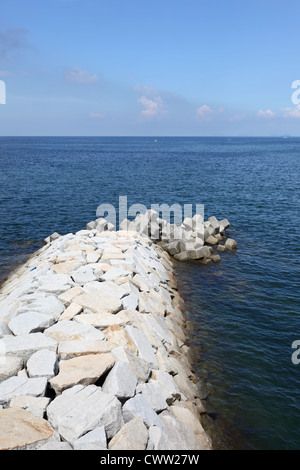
(243, 312)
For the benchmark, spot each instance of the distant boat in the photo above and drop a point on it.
(156, 140)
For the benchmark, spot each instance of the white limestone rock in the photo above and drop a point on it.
(132, 436)
(93, 440)
(26, 345)
(30, 323)
(42, 363)
(80, 409)
(143, 345)
(35, 405)
(139, 406)
(17, 386)
(121, 381)
(9, 366)
(72, 330)
(151, 392)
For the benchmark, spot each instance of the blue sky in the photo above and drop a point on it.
(192, 67)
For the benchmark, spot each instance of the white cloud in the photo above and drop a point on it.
(266, 114)
(152, 107)
(292, 112)
(204, 111)
(77, 75)
(97, 115)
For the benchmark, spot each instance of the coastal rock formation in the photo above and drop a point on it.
(93, 350)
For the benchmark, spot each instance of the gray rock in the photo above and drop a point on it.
(81, 409)
(43, 363)
(230, 244)
(139, 366)
(91, 225)
(139, 406)
(121, 381)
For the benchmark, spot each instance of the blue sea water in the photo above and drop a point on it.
(244, 311)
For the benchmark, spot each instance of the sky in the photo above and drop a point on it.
(150, 68)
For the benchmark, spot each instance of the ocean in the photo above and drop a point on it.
(244, 311)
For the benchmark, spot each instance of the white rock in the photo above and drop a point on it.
(139, 366)
(56, 445)
(34, 405)
(139, 406)
(130, 302)
(83, 275)
(81, 409)
(97, 303)
(49, 305)
(132, 436)
(24, 346)
(30, 323)
(93, 440)
(168, 388)
(16, 386)
(143, 345)
(66, 330)
(151, 392)
(55, 283)
(9, 366)
(43, 363)
(121, 381)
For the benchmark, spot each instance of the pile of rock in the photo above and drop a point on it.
(194, 239)
(93, 350)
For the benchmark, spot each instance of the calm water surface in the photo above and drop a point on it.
(244, 310)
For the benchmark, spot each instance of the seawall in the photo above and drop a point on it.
(93, 351)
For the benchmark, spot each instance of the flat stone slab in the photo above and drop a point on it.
(24, 346)
(98, 303)
(55, 283)
(30, 323)
(139, 406)
(143, 345)
(121, 381)
(35, 405)
(93, 440)
(72, 330)
(152, 393)
(19, 429)
(79, 410)
(132, 436)
(42, 363)
(17, 386)
(70, 349)
(49, 305)
(103, 320)
(83, 370)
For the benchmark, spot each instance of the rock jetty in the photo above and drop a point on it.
(93, 351)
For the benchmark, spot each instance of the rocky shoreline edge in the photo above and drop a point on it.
(93, 344)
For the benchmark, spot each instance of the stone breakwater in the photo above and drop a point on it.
(93, 351)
